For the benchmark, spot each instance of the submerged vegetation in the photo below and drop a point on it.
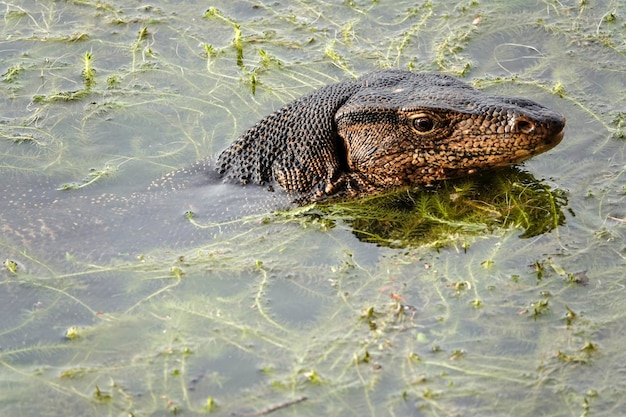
(498, 294)
(455, 210)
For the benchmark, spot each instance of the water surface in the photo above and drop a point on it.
(297, 312)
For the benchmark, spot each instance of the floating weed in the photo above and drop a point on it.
(12, 14)
(142, 45)
(556, 267)
(89, 73)
(238, 45)
(142, 35)
(545, 268)
(211, 53)
(210, 405)
(487, 264)
(457, 354)
(250, 74)
(476, 303)
(93, 176)
(78, 36)
(559, 89)
(539, 268)
(570, 316)
(364, 358)
(267, 60)
(579, 278)
(101, 396)
(73, 333)
(582, 355)
(448, 50)
(12, 73)
(237, 42)
(348, 33)
(461, 286)
(74, 373)
(61, 96)
(609, 18)
(540, 308)
(312, 376)
(210, 50)
(177, 272)
(429, 394)
(336, 58)
(620, 124)
(214, 12)
(252, 82)
(589, 347)
(398, 45)
(563, 357)
(11, 266)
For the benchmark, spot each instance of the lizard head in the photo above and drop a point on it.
(429, 127)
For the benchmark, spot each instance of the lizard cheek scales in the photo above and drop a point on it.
(387, 129)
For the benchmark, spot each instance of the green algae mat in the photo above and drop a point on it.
(499, 294)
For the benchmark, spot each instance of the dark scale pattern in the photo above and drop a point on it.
(297, 146)
(387, 129)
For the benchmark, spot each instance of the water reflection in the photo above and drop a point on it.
(107, 226)
(101, 227)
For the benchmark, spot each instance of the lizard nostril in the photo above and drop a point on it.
(523, 125)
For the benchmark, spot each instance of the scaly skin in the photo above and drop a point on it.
(387, 129)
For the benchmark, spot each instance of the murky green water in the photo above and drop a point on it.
(297, 314)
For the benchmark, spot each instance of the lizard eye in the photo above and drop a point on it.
(423, 124)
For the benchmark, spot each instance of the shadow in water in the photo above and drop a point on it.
(46, 226)
(101, 228)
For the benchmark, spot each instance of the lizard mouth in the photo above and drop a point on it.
(547, 143)
(550, 142)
